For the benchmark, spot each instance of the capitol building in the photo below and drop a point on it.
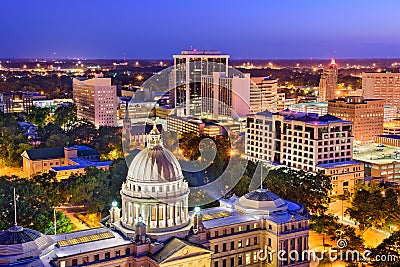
(154, 227)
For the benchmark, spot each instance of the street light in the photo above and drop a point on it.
(114, 204)
(197, 209)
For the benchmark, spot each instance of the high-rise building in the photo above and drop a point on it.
(385, 86)
(328, 82)
(367, 115)
(225, 96)
(96, 100)
(189, 67)
(264, 95)
(305, 141)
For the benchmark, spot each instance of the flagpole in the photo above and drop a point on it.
(55, 221)
(15, 209)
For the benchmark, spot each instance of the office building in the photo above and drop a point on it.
(382, 85)
(155, 228)
(328, 81)
(225, 96)
(366, 114)
(189, 67)
(264, 95)
(304, 141)
(96, 100)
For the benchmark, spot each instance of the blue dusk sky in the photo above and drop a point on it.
(254, 29)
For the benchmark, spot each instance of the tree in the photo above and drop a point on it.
(389, 247)
(66, 117)
(372, 205)
(307, 188)
(325, 224)
(46, 226)
(38, 116)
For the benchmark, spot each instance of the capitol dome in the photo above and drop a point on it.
(262, 201)
(154, 163)
(154, 189)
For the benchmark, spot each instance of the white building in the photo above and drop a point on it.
(96, 100)
(264, 95)
(304, 141)
(300, 140)
(224, 96)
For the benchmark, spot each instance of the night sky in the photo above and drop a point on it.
(256, 29)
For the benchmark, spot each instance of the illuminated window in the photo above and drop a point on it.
(153, 214)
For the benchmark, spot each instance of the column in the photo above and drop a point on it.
(174, 214)
(157, 216)
(166, 215)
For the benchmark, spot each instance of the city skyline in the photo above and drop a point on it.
(257, 30)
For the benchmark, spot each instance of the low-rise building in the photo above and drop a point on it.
(62, 160)
(388, 139)
(345, 176)
(392, 127)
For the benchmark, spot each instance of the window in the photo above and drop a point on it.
(153, 214)
(269, 242)
(117, 253)
(74, 262)
(216, 233)
(96, 257)
(270, 227)
(62, 264)
(247, 242)
(107, 255)
(127, 251)
(215, 263)
(240, 244)
(216, 248)
(224, 263)
(224, 247)
(240, 260)
(255, 241)
(255, 256)
(232, 245)
(248, 259)
(255, 225)
(240, 228)
(232, 261)
(232, 230)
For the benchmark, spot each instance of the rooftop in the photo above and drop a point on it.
(339, 164)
